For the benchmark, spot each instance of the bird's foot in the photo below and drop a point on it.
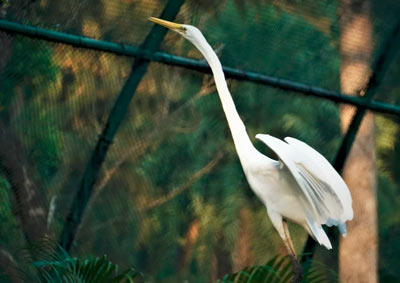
(297, 269)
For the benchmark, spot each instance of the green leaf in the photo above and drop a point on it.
(54, 264)
(277, 270)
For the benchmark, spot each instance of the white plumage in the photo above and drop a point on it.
(301, 187)
(321, 193)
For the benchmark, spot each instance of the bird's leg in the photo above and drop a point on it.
(297, 268)
(287, 240)
(281, 226)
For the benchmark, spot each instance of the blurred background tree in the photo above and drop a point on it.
(361, 244)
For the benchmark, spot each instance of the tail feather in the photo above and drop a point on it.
(343, 229)
(319, 234)
(341, 225)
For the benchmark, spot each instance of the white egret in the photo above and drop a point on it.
(301, 186)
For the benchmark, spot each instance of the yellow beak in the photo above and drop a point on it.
(167, 24)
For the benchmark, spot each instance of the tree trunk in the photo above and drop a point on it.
(26, 200)
(358, 251)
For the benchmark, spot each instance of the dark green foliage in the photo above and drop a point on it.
(279, 270)
(47, 262)
(9, 231)
(88, 270)
(30, 68)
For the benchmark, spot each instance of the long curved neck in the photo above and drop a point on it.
(243, 144)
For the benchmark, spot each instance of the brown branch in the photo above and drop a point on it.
(323, 24)
(175, 192)
(172, 194)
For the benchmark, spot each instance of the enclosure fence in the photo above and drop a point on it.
(148, 52)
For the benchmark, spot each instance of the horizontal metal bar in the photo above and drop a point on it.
(60, 37)
(201, 66)
(198, 65)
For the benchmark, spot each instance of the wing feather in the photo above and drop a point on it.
(323, 170)
(323, 192)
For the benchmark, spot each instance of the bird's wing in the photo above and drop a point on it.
(324, 171)
(323, 192)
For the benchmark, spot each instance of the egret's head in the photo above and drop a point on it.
(191, 33)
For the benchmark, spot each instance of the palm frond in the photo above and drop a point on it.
(279, 270)
(51, 263)
(98, 269)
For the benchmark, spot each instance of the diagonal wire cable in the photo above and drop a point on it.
(192, 64)
(386, 56)
(117, 114)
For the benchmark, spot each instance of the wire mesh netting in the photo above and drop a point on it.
(171, 198)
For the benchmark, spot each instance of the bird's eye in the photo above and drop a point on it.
(183, 29)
